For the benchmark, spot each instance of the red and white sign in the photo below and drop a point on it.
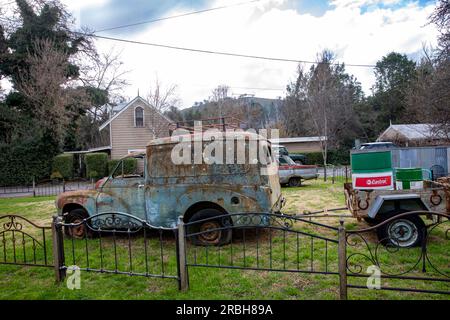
(379, 180)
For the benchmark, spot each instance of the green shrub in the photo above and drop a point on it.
(335, 157)
(63, 166)
(93, 175)
(96, 165)
(25, 159)
(129, 166)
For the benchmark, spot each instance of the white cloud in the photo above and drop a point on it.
(265, 30)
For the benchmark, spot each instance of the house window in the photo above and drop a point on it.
(139, 117)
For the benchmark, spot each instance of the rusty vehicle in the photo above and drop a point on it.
(165, 191)
(376, 206)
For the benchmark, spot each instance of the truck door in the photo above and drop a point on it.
(123, 192)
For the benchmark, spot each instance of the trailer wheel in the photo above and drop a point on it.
(404, 232)
(295, 182)
(213, 238)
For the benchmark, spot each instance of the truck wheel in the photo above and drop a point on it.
(214, 238)
(77, 232)
(404, 232)
(295, 182)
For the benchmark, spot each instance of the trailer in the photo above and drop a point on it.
(377, 205)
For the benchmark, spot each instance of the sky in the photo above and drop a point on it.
(358, 31)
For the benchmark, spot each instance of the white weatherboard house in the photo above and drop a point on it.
(132, 125)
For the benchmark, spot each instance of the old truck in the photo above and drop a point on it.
(165, 191)
(375, 206)
(292, 174)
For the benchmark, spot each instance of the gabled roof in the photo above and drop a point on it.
(412, 131)
(120, 108)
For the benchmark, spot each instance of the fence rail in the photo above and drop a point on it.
(122, 244)
(45, 188)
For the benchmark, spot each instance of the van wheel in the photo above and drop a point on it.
(76, 232)
(404, 232)
(295, 182)
(213, 238)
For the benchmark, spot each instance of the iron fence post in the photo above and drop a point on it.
(424, 249)
(181, 256)
(58, 249)
(333, 174)
(64, 185)
(34, 188)
(342, 260)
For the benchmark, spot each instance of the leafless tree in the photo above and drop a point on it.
(322, 101)
(161, 98)
(429, 96)
(103, 73)
(46, 86)
(441, 18)
(219, 96)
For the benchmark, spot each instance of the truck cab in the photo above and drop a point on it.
(166, 190)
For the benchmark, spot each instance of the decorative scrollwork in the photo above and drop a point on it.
(374, 255)
(12, 224)
(380, 252)
(113, 221)
(442, 226)
(354, 266)
(260, 219)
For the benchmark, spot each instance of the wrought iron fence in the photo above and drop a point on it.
(45, 188)
(22, 242)
(261, 241)
(116, 243)
(122, 244)
(417, 263)
(336, 173)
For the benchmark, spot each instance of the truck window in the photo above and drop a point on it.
(160, 164)
(123, 170)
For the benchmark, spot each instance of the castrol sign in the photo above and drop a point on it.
(378, 180)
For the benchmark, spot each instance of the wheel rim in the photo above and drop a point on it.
(77, 231)
(212, 237)
(403, 233)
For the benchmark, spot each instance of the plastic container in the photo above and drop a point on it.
(371, 161)
(372, 170)
(408, 178)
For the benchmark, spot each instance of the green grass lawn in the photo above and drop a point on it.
(286, 249)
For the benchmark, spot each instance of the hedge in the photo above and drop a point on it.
(25, 160)
(335, 157)
(96, 165)
(63, 166)
(129, 165)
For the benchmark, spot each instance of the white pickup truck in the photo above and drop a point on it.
(292, 174)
